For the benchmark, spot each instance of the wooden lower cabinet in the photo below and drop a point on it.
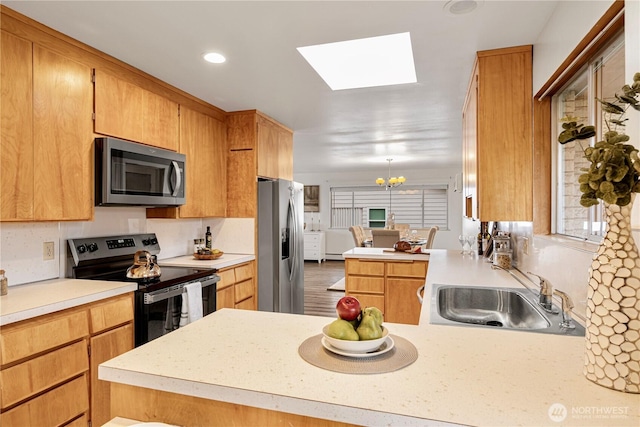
(389, 285)
(237, 287)
(106, 346)
(160, 406)
(49, 364)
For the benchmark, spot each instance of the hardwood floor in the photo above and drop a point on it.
(318, 301)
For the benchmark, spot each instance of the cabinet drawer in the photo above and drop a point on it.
(244, 272)
(311, 239)
(227, 278)
(367, 268)
(244, 290)
(35, 336)
(31, 377)
(245, 305)
(367, 300)
(365, 284)
(312, 246)
(113, 312)
(407, 269)
(52, 408)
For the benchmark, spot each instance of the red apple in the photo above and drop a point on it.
(348, 308)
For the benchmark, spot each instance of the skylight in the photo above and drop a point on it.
(370, 62)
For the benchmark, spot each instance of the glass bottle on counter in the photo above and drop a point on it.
(4, 283)
(480, 241)
(207, 238)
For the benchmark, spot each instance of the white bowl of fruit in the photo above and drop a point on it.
(356, 330)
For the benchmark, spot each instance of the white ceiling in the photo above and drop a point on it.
(418, 125)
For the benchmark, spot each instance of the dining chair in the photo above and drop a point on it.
(431, 236)
(385, 238)
(358, 235)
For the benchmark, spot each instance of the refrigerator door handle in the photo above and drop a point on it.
(292, 241)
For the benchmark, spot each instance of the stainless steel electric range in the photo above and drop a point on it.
(158, 299)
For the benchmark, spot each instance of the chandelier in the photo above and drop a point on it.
(391, 181)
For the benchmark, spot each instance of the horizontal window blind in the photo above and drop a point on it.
(418, 206)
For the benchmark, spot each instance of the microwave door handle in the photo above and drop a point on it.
(178, 177)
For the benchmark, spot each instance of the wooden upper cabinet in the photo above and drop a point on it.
(500, 148)
(258, 147)
(127, 111)
(47, 135)
(203, 140)
(63, 137)
(161, 124)
(118, 107)
(16, 128)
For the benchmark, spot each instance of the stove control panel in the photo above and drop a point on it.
(91, 250)
(121, 243)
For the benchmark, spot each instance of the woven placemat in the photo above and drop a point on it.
(402, 354)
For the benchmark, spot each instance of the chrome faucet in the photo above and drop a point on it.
(567, 305)
(545, 295)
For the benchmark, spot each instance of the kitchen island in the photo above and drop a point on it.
(237, 362)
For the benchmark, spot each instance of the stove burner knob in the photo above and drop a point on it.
(154, 241)
(81, 249)
(146, 242)
(92, 247)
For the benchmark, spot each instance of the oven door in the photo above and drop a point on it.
(158, 312)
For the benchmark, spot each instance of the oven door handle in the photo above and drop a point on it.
(173, 291)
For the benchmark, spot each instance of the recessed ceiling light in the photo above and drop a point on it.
(214, 58)
(369, 62)
(461, 7)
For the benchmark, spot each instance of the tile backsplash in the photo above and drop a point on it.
(21, 244)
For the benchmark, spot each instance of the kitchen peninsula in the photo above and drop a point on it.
(243, 367)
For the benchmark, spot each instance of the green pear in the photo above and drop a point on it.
(369, 328)
(376, 313)
(342, 330)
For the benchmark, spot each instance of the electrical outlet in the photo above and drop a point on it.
(525, 245)
(48, 251)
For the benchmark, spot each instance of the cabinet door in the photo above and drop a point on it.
(104, 347)
(16, 110)
(225, 298)
(63, 137)
(267, 149)
(402, 305)
(118, 107)
(242, 191)
(285, 154)
(203, 141)
(160, 125)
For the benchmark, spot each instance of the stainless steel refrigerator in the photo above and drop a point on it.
(280, 246)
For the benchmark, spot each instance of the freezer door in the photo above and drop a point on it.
(292, 260)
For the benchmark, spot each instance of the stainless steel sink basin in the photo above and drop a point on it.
(506, 308)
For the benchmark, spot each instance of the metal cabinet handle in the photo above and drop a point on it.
(419, 293)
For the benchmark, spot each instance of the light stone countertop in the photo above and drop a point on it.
(35, 299)
(470, 376)
(226, 260)
(384, 253)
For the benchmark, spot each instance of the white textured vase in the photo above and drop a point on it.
(612, 356)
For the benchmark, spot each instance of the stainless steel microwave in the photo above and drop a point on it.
(128, 173)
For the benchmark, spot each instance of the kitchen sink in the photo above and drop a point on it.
(494, 307)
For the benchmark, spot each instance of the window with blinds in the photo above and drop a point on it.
(420, 206)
